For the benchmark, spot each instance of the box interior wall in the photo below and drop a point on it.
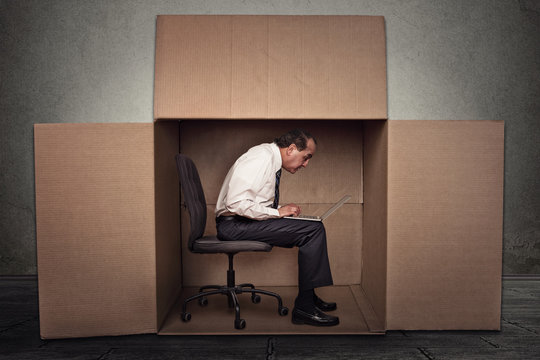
(334, 171)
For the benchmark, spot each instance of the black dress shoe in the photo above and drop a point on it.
(323, 305)
(316, 318)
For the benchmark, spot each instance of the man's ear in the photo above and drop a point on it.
(290, 149)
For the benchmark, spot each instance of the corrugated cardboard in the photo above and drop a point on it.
(270, 67)
(167, 215)
(95, 229)
(418, 248)
(445, 203)
(429, 256)
(375, 220)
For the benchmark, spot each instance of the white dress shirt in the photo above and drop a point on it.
(249, 187)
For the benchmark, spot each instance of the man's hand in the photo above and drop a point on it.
(289, 210)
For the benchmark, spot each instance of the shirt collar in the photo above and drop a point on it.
(277, 157)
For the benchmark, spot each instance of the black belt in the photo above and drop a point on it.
(224, 218)
(232, 217)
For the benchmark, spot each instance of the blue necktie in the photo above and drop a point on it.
(276, 193)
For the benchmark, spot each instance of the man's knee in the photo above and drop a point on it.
(317, 232)
(318, 228)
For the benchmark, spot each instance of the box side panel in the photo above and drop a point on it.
(331, 174)
(258, 67)
(95, 229)
(374, 259)
(168, 254)
(445, 196)
(375, 323)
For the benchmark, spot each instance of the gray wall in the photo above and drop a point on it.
(92, 61)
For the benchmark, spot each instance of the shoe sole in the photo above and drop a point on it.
(307, 322)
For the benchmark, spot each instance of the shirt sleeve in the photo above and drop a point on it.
(248, 181)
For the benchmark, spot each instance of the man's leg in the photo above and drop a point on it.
(309, 236)
(313, 265)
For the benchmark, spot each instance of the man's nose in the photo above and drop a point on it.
(305, 163)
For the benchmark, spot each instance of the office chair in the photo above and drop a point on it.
(197, 243)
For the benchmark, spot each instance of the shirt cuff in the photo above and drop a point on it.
(274, 212)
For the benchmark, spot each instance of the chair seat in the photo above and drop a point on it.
(212, 245)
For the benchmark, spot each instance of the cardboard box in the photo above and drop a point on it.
(418, 247)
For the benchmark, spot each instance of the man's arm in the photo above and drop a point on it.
(289, 210)
(252, 210)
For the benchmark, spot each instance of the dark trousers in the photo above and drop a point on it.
(309, 236)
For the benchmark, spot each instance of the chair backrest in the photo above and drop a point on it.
(193, 195)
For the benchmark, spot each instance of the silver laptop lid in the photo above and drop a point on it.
(335, 207)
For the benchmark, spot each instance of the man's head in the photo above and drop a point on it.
(296, 147)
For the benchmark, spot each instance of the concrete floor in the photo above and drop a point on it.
(519, 338)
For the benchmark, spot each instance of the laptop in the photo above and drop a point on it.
(323, 216)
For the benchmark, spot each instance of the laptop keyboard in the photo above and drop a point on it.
(308, 216)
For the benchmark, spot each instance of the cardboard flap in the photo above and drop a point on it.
(445, 213)
(95, 229)
(259, 67)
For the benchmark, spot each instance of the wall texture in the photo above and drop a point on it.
(92, 61)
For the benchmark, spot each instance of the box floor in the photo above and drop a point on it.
(262, 319)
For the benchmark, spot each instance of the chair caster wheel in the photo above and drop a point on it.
(186, 317)
(255, 299)
(203, 301)
(283, 311)
(240, 324)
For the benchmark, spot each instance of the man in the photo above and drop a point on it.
(247, 209)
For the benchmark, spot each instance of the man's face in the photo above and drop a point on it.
(294, 160)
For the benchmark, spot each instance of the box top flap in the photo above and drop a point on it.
(266, 67)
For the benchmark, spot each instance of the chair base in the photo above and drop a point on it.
(231, 293)
(232, 290)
